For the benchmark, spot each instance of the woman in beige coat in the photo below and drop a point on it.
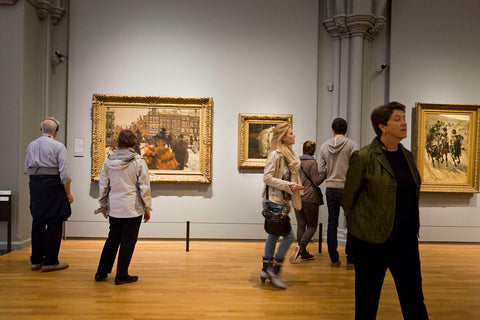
(282, 186)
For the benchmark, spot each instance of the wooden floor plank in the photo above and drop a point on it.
(220, 280)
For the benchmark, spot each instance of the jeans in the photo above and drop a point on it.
(334, 202)
(271, 242)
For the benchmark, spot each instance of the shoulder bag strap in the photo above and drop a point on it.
(313, 184)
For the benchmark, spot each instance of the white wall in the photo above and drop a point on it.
(435, 58)
(250, 56)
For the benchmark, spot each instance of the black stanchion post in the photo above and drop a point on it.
(188, 236)
(320, 238)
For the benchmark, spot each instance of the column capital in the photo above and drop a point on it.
(46, 8)
(354, 25)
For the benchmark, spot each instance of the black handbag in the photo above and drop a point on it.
(277, 221)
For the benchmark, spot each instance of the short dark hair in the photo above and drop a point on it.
(126, 139)
(339, 126)
(309, 147)
(381, 115)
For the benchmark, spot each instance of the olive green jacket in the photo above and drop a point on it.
(370, 193)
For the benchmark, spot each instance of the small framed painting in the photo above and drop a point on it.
(254, 137)
(447, 148)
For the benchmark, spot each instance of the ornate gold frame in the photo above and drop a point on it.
(100, 103)
(244, 120)
(435, 174)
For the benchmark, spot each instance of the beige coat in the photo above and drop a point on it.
(273, 173)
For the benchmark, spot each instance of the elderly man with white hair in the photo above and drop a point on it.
(50, 197)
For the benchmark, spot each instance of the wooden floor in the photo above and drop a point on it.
(220, 280)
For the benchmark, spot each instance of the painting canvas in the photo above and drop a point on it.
(173, 134)
(254, 137)
(447, 147)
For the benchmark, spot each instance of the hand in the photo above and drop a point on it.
(146, 216)
(296, 187)
(70, 198)
(105, 214)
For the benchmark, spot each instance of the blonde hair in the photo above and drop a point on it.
(277, 143)
(279, 132)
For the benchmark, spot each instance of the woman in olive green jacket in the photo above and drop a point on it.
(381, 205)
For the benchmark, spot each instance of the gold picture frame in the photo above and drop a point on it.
(447, 147)
(254, 135)
(174, 134)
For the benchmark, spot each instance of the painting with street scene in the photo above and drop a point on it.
(173, 134)
(254, 137)
(446, 147)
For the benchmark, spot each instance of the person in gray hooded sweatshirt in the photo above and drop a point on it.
(124, 198)
(334, 156)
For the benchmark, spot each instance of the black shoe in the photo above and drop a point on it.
(307, 256)
(127, 279)
(99, 277)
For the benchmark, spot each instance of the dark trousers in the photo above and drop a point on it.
(124, 234)
(307, 219)
(46, 240)
(371, 262)
(334, 202)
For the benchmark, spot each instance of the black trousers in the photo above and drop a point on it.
(124, 234)
(307, 219)
(46, 240)
(401, 256)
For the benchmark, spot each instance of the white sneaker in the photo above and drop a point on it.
(295, 254)
(54, 267)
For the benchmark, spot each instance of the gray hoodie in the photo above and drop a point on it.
(335, 155)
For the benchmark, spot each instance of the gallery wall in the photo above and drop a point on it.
(10, 99)
(250, 56)
(24, 60)
(434, 58)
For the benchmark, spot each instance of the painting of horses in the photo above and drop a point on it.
(173, 134)
(446, 147)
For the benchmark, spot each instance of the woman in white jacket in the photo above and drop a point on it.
(282, 180)
(124, 198)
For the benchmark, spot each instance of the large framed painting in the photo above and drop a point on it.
(174, 134)
(254, 136)
(447, 140)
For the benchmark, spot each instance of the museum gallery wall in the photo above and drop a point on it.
(221, 50)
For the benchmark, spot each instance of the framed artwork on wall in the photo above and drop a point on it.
(254, 136)
(447, 147)
(174, 134)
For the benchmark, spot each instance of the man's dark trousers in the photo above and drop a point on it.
(334, 202)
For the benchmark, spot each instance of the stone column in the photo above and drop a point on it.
(352, 26)
(349, 31)
(51, 12)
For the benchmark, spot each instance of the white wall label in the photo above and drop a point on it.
(78, 148)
